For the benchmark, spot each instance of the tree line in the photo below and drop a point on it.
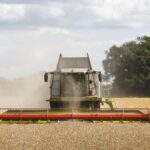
(128, 68)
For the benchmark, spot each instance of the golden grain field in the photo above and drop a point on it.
(75, 136)
(132, 102)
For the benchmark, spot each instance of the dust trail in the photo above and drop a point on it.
(73, 89)
(75, 104)
(24, 92)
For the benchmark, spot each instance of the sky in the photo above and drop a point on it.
(34, 32)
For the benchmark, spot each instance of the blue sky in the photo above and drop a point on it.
(34, 32)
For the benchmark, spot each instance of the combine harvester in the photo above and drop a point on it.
(75, 93)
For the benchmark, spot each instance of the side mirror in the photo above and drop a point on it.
(100, 77)
(46, 77)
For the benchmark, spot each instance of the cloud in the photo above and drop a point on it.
(82, 14)
(11, 12)
(128, 13)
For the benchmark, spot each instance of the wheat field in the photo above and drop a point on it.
(75, 136)
(133, 102)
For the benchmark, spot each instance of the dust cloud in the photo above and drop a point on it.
(73, 88)
(24, 92)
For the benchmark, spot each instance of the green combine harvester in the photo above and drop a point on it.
(74, 84)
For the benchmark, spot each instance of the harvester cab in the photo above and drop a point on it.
(74, 84)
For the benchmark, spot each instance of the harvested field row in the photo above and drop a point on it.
(75, 135)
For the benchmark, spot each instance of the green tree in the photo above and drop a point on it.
(128, 66)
